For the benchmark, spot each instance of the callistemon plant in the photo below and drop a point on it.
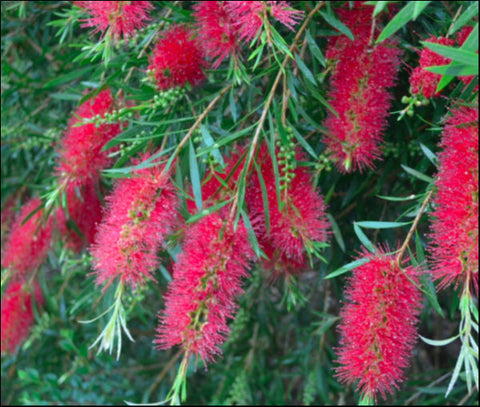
(28, 243)
(17, 313)
(115, 19)
(81, 159)
(216, 34)
(454, 238)
(141, 212)
(177, 59)
(296, 223)
(378, 327)
(362, 74)
(423, 82)
(207, 279)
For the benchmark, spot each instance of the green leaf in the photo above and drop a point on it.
(195, 176)
(207, 211)
(209, 142)
(306, 72)
(337, 24)
(417, 174)
(465, 17)
(409, 12)
(398, 198)
(381, 225)
(455, 54)
(336, 232)
(429, 154)
(69, 77)
(315, 50)
(428, 289)
(304, 143)
(251, 234)
(441, 342)
(347, 267)
(363, 238)
(379, 7)
(452, 70)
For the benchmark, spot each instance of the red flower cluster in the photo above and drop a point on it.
(207, 278)
(216, 34)
(454, 241)
(141, 211)
(116, 18)
(27, 245)
(378, 329)
(17, 314)
(249, 16)
(177, 59)
(221, 24)
(300, 221)
(362, 73)
(423, 81)
(81, 161)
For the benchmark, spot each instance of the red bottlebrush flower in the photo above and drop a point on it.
(207, 277)
(85, 210)
(177, 59)
(81, 155)
(378, 328)
(216, 34)
(142, 210)
(425, 82)
(300, 222)
(359, 93)
(249, 16)
(454, 238)
(17, 314)
(116, 18)
(28, 244)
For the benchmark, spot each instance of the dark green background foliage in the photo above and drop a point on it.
(274, 355)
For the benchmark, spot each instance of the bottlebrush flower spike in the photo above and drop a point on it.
(293, 228)
(142, 210)
(454, 238)
(378, 328)
(358, 92)
(249, 16)
(177, 59)
(116, 18)
(206, 279)
(17, 314)
(27, 245)
(81, 155)
(425, 82)
(216, 34)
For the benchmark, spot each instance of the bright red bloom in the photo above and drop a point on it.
(249, 16)
(454, 241)
(207, 277)
(28, 244)
(17, 314)
(116, 18)
(85, 210)
(378, 328)
(177, 59)
(359, 92)
(142, 210)
(423, 81)
(216, 34)
(299, 223)
(81, 155)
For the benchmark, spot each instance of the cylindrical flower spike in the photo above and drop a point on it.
(359, 92)
(207, 278)
(142, 210)
(378, 328)
(28, 243)
(116, 18)
(177, 59)
(17, 314)
(454, 238)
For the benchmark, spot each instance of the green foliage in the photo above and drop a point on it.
(281, 349)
